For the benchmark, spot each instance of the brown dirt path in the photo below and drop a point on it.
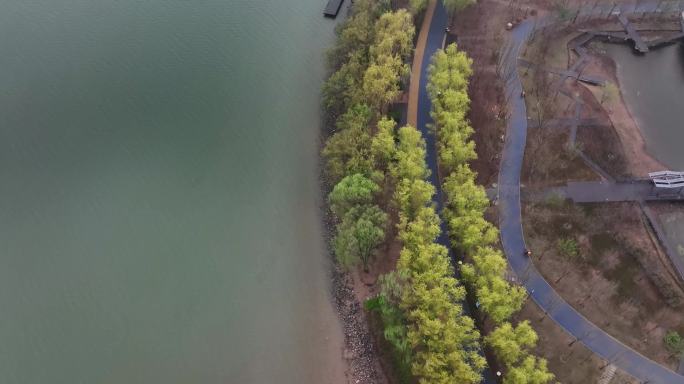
(414, 87)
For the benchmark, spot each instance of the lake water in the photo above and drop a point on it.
(652, 86)
(159, 216)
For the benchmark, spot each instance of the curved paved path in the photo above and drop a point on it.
(430, 41)
(510, 224)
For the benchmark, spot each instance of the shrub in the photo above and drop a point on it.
(568, 248)
(673, 342)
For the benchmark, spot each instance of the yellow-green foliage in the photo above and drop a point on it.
(374, 47)
(466, 204)
(470, 232)
(442, 340)
(382, 145)
(497, 297)
(392, 45)
(512, 345)
(531, 370)
(417, 6)
(409, 160)
(354, 190)
(368, 64)
(420, 304)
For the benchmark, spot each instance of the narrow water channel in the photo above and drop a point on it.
(159, 204)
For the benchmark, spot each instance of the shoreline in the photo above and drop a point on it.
(638, 158)
(359, 355)
(364, 354)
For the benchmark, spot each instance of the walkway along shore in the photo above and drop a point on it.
(510, 225)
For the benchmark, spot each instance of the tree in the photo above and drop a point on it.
(511, 346)
(453, 6)
(511, 343)
(351, 191)
(394, 33)
(421, 230)
(412, 195)
(498, 298)
(362, 229)
(443, 340)
(342, 89)
(392, 44)
(412, 191)
(410, 155)
(382, 145)
(454, 148)
(356, 33)
(466, 203)
(386, 303)
(449, 69)
(348, 150)
(380, 85)
(532, 370)
(417, 6)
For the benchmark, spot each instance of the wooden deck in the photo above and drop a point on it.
(332, 8)
(639, 44)
(665, 40)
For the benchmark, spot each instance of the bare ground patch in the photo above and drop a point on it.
(594, 256)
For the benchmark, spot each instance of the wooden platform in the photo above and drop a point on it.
(332, 8)
(665, 40)
(639, 44)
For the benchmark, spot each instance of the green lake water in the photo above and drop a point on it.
(652, 84)
(159, 205)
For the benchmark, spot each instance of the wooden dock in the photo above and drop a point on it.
(573, 73)
(639, 44)
(665, 40)
(332, 8)
(611, 35)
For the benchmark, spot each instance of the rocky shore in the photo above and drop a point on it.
(359, 353)
(359, 349)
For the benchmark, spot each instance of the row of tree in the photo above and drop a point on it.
(471, 234)
(368, 64)
(420, 302)
(368, 157)
(369, 58)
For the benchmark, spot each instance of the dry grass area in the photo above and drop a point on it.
(570, 361)
(602, 258)
(481, 35)
(601, 141)
(550, 162)
(594, 256)
(550, 47)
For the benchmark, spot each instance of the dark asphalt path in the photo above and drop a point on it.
(510, 224)
(602, 191)
(598, 192)
(434, 43)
